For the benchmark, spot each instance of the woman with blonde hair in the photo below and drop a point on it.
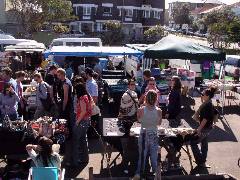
(150, 116)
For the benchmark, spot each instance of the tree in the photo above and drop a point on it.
(234, 31)
(181, 13)
(57, 10)
(113, 33)
(221, 15)
(32, 14)
(59, 28)
(222, 25)
(154, 33)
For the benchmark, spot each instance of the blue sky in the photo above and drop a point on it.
(224, 1)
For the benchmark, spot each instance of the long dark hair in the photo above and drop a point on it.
(5, 87)
(151, 97)
(177, 85)
(210, 92)
(45, 150)
(80, 90)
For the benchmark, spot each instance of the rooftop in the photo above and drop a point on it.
(199, 1)
(213, 9)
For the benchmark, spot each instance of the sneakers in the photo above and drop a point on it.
(125, 171)
(136, 177)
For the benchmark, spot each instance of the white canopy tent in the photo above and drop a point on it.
(26, 46)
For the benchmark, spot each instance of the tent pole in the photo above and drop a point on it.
(224, 81)
(125, 70)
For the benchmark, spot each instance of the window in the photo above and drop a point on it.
(73, 44)
(86, 11)
(129, 12)
(107, 10)
(147, 14)
(90, 44)
(157, 14)
(57, 43)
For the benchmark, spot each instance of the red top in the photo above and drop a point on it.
(88, 113)
(1, 85)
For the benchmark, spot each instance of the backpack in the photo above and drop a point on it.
(48, 102)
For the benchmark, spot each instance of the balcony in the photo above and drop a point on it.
(128, 19)
(86, 17)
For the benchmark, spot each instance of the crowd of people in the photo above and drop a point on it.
(76, 99)
(147, 112)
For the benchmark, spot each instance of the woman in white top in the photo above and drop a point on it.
(150, 116)
(42, 154)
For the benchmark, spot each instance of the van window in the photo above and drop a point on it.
(1, 48)
(195, 62)
(73, 43)
(57, 43)
(90, 44)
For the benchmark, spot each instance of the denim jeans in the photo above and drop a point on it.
(200, 154)
(80, 144)
(150, 147)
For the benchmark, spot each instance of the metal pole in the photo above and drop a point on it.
(142, 169)
(125, 70)
(224, 81)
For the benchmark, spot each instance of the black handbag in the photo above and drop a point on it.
(47, 103)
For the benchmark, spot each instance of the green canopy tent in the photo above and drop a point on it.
(176, 48)
(172, 47)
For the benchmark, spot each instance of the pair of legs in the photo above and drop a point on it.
(80, 143)
(200, 153)
(149, 141)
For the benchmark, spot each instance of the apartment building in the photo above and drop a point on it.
(8, 21)
(135, 15)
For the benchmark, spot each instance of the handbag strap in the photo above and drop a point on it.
(135, 102)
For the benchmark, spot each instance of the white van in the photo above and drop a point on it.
(76, 42)
(231, 63)
(7, 42)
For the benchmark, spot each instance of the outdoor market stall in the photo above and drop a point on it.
(171, 139)
(175, 48)
(14, 136)
(25, 56)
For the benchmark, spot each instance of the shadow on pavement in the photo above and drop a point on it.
(199, 170)
(73, 172)
(227, 110)
(225, 134)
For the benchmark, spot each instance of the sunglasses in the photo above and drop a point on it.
(132, 84)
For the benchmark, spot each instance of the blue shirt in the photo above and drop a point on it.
(13, 83)
(9, 104)
(69, 73)
(92, 87)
